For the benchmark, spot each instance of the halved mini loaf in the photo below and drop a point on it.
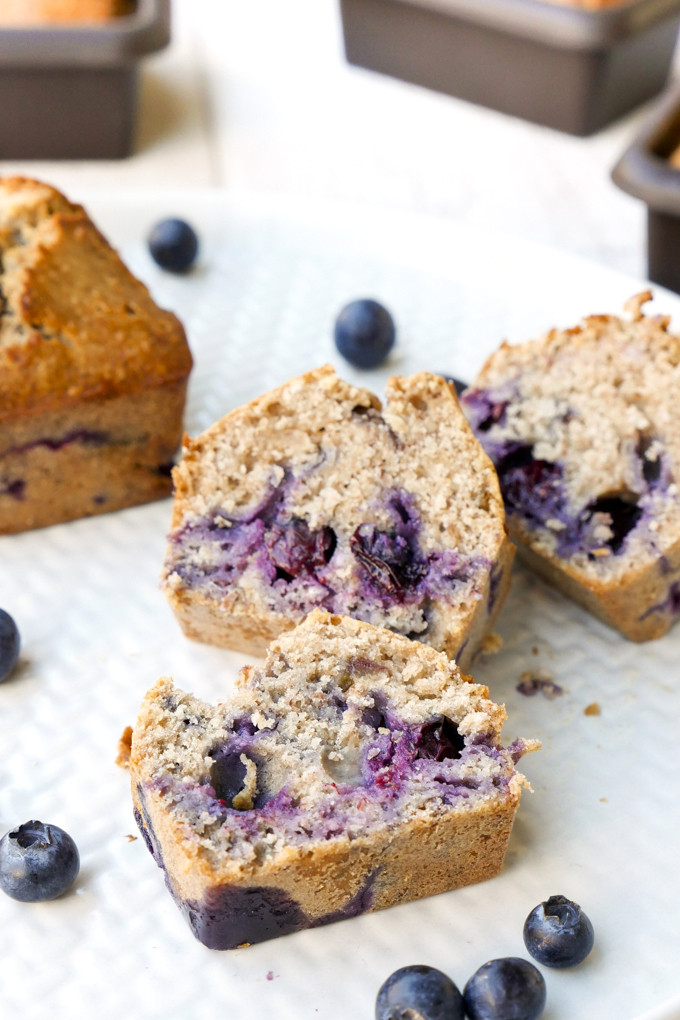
(583, 426)
(352, 771)
(316, 496)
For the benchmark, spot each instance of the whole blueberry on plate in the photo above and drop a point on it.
(173, 245)
(37, 862)
(505, 989)
(419, 993)
(9, 645)
(364, 333)
(557, 933)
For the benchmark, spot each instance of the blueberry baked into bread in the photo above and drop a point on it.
(316, 496)
(583, 426)
(353, 770)
(92, 373)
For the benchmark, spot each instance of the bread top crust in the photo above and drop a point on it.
(75, 322)
(345, 450)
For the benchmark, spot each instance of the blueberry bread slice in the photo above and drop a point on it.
(353, 770)
(583, 426)
(316, 496)
(93, 374)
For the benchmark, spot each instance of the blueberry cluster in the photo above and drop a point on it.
(556, 933)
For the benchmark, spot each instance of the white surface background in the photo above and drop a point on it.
(603, 823)
(257, 97)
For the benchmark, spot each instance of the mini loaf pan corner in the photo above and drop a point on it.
(565, 67)
(645, 171)
(70, 91)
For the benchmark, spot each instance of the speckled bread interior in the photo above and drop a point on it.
(583, 426)
(354, 770)
(92, 373)
(316, 496)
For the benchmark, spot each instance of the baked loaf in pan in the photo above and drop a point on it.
(315, 496)
(352, 771)
(583, 426)
(22, 13)
(92, 373)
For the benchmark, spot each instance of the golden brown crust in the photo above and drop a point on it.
(24, 13)
(76, 322)
(93, 374)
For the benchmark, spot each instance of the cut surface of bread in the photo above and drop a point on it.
(583, 426)
(93, 374)
(352, 771)
(316, 496)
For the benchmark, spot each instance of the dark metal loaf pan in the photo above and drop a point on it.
(70, 91)
(569, 68)
(646, 172)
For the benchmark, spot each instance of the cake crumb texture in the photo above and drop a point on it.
(316, 495)
(583, 426)
(355, 769)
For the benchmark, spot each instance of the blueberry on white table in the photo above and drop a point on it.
(558, 934)
(173, 245)
(505, 989)
(419, 992)
(10, 643)
(364, 333)
(37, 862)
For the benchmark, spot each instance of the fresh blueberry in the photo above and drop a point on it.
(419, 993)
(9, 645)
(506, 989)
(364, 333)
(458, 385)
(37, 862)
(173, 245)
(557, 933)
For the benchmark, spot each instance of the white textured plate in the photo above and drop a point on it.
(603, 823)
